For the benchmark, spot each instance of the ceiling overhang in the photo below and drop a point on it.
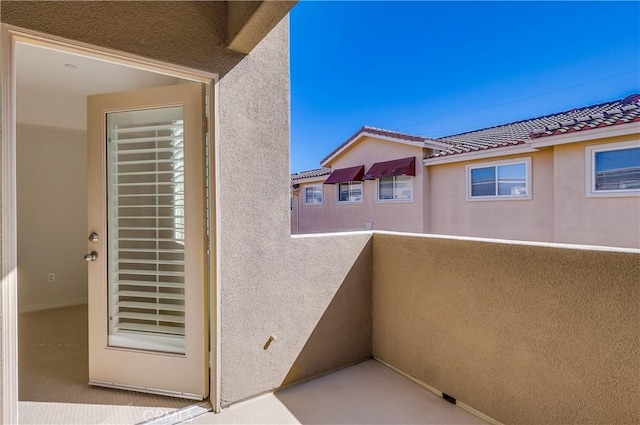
(248, 22)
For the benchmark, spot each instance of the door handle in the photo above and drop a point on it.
(93, 237)
(93, 256)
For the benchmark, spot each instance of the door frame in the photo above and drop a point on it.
(10, 35)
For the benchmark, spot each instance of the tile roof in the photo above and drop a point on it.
(390, 133)
(379, 132)
(311, 173)
(606, 114)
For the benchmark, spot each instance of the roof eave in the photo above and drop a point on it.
(480, 154)
(310, 179)
(587, 134)
(435, 144)
(364, 133)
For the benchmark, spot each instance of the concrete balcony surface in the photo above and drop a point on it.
(366, 393)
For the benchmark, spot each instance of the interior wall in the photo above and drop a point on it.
(525, 334)
(51, 111)
(52, 216)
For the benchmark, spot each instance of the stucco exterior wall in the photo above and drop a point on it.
(192, 34)
(609, 221)
(451, 213)
(524, 334)
(311, 215)
(293, 221)
(272, 284)
(398, 216)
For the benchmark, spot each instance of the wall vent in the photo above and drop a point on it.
(450, 399)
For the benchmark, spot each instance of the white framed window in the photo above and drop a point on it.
(500, 180)
(350, 193)
(613, 169)
(395, 189)
(313, 195)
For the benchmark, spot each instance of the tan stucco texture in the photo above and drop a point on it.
(312, 294)
(612, 221)
(192, 33)
(524, 334)
(450, 212)
(249, 21)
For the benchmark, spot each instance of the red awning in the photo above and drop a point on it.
(397, 167)
(346, 175)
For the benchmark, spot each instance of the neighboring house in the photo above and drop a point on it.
(374, 180)
(307, 191)
(569, 177)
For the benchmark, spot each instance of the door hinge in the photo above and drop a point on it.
(210, 359)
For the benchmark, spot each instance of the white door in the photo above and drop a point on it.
(147, 241)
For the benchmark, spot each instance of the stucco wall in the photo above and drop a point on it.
(450, 213)
(398, 216)
(271, 283)
(312, 215)
(313, 293)
(192, 34)
(524, 334)
(612, 221)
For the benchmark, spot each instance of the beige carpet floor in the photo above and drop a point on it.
(43, 413)
(53, 368)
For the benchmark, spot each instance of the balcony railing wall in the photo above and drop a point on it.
(521, 332)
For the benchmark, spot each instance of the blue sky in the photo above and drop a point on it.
(442, 68)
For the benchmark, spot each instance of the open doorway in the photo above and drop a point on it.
(51, 181)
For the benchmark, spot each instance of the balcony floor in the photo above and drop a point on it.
(367, 393)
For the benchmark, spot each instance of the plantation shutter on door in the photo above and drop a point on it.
(146, 229)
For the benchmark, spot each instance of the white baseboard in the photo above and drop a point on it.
(49, 306)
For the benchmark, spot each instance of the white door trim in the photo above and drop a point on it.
(11, 35)
(9, 249)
